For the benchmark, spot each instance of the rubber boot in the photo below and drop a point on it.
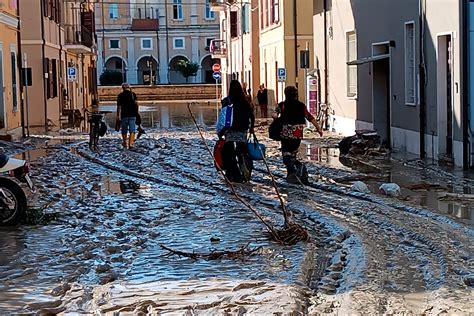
(131, 140)
(124, 140)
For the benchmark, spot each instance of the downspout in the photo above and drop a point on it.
(60, 77)
(326, 92)
(167, 41)
(19, 61)
(468, 84)
(43, 52)
(465, 30)
(295, 26)
(422, 81)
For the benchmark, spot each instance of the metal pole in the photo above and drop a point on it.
(25, 74)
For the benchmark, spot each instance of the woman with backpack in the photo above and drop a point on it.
(293, 115)
(237, 163)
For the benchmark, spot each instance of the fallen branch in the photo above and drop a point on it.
(242, 252)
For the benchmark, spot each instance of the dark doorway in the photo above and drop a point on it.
(381, 100)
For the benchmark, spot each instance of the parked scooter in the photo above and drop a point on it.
(13, 202)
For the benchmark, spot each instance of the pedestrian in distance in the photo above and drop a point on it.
(237, 163)
(127, 111)
(293, 115)
(262, 98)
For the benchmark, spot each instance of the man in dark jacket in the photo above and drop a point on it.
(262, 98)
(127, 110)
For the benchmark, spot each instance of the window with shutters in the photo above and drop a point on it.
(410, 73)
(351, 54)
(14, 82)
(245, 18)
(209, 13)
(177, 10)
(233, 24)
(275, 11)
(47, 73)
(54, 81)
(262, 14)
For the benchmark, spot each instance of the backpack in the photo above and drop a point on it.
(276, 127)
(226, 117)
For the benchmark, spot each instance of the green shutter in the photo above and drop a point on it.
(245, 18)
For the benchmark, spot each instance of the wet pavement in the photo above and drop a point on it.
(111, 210)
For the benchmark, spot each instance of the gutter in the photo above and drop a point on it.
(422, 74)
(465, 83)
(19, 60)
(43, 55)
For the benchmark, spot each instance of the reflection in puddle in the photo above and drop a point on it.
(110, 185)
(169, 115)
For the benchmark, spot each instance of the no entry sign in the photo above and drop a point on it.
(216, 67)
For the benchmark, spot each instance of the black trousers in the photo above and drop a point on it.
(234, 153)
(289, 149)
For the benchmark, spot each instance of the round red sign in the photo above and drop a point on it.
(216, 67)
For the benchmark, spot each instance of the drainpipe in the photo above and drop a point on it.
(326, 92)
(468, 83)
(422, 81)
(43, 54)
(295, 26)
(19, 60)
(167, 40)
(465, 30)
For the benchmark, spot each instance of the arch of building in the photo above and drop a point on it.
(174, 75)
(144, 65)
(117, 63)
(206, 68)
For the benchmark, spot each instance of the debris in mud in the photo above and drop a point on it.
(360, 186)
(422, 186)
(364, 142)
(390, 189)
(240, 253)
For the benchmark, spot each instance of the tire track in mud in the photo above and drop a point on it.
(386, 232)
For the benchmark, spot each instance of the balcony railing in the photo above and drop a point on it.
(218, 48)
(221, 5)
(79, 35)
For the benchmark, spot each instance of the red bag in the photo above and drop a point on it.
(218, 149)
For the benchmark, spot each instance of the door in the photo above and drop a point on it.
(381, 99)
(444, 86)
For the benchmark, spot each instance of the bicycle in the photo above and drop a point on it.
(95, 123)
(323, 116)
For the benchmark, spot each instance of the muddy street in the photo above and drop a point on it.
(96, 245)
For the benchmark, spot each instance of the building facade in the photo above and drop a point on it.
(58, 43)
(399, 72)
(10, 100)
(144, 40)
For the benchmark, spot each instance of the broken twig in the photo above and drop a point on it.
(243, 251)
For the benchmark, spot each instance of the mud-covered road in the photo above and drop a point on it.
(109, 211)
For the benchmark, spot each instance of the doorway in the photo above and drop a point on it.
(381, 99)
(445, 96)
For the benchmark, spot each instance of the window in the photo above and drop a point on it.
(275, 11)
(14, 82)
(147, 43)
(114, 44)
(113, 11)
(178, 43)
(351, 53)
(233, 24)
(54, 81)
(209, 14)
(177, 10)
(410, 72)
(208, 42)
(245, 18)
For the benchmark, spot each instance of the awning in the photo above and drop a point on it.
(368, 59)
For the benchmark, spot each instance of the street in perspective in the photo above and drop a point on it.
(236, 157)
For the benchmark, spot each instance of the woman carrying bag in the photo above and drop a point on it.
(240, 121)
(291, 116)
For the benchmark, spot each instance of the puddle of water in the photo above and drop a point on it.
(169, 115)
(33, 154)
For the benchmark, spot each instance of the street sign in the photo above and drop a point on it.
(281, 74)
(216, 67)
(72, 73)
(216, 75)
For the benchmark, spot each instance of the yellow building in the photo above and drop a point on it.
(286, 28)
(10, 102)
(58, 41)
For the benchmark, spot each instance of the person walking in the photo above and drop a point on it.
(237, 163)
(293, 115)
(127, 111)
(262, 98)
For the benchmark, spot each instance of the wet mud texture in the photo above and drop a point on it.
(113, 208)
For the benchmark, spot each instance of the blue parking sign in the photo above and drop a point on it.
(72, 73)
(281, 74)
